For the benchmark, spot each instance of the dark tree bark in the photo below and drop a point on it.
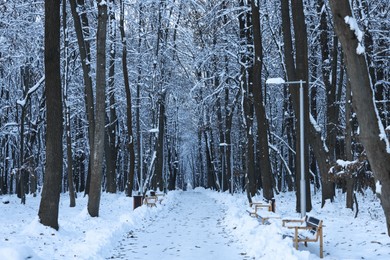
(328, 187)
(298, 70)
(72, 194)
(160, 143)
(82, 27)
(111, 130)
(211, 176)
(48, 208)
(221, 138)
(302, 72)
(245, 22)
(98, 140)
(290, 71)
(262, 121)
(373, 139)
(138, 100)
(200, 165)
(129, 121)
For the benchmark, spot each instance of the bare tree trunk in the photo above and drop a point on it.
(245, 22)
(160, 143)
(211, 176)
(81, 27)
(302, 71)
(222, 140)
(372, 134)
(129, 121)
(98, 141)
(298, 71)
(262, 121)
(328, 187)
(20, 188)
(49, 205)
(229, 111)
(110, 143)
(72, 195)
(200, 167)
(138, 100)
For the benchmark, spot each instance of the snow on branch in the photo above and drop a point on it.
(22, 102)
(359, 34)
(358, 169)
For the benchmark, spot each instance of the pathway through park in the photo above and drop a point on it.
(190, 228)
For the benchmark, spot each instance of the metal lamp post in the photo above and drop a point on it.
(302, 143)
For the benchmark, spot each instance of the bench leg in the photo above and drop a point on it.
(296, 239)
(321, 245)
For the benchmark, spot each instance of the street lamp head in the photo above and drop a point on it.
(275, 81)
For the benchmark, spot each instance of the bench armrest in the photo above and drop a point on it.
(300, 227)
(258, 205)
(284, 221)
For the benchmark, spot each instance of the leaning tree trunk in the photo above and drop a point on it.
(372, 133)
(81, 26)
(49, 205)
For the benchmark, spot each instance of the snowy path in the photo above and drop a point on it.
(190, 228)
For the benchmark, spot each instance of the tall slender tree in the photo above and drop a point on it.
(98, 138)
(129, 121)
(111, 150)
(297, 69)
(262, 122)
(82, 33)
(48, 208)
(72, 194)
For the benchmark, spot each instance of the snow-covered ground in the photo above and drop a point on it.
(195, 224)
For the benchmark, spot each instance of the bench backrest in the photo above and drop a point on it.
(314, 223)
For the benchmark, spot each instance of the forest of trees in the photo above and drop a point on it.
(163, 94)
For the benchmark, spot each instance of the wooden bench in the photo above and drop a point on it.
(306, 230)
(267, 208)
(160, 197)
(151, 201)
